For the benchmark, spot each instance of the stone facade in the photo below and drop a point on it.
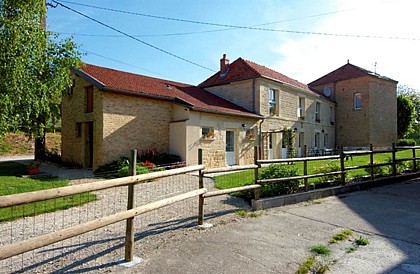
(375, 122)
(120, 122)
(256, 91)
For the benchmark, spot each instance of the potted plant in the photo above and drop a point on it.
(32, 168)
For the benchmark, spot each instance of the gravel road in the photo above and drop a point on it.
(102, 250)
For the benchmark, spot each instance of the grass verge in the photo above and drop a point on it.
(10, 184)
(242, 178)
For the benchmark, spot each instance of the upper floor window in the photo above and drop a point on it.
(89, 99)
(317, 112)
(301, 108)
(272, 101)
(357, 101)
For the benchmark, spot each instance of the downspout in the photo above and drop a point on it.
(261, 140)
(253, 94)
(335, 114)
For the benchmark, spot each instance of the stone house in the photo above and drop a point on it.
(108, 112)
(283, 103)
(366, 111)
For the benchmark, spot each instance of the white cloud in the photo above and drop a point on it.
(310, 57)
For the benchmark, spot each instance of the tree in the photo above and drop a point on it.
(414, 95)
(405, 115)
(34, 70)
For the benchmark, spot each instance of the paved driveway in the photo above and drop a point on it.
(278, 241)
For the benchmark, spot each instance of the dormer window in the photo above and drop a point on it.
(272, 102)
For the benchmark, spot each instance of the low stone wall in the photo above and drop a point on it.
(294, 198)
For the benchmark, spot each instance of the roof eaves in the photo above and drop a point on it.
(250, 115)
(88, 78)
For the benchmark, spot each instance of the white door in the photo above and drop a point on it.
(270, 146)
(230, 148)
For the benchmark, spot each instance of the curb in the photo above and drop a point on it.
(294, 198)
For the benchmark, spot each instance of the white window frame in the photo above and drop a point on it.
(357, 101)
(272, 101)
(301, 108)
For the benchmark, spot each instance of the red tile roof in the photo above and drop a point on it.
(242, 69)
(188, 95)
(348, 71)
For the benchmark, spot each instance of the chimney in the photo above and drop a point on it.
(224, 64)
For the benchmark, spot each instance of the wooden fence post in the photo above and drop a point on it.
(394, 162)
(414, 160)
(200, 185)
(372, 176)
(305, 168)
(129, 228)
(343, 171)
(257, 191)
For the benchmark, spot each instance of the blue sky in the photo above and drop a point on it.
(301, 56)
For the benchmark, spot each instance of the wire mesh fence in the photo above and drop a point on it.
(102, 248)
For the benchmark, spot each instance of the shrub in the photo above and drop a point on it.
(124, 171)
(406, 142)
(331, 167)
(279, 171)
(112, 169)
(153, 156)
(378, 170)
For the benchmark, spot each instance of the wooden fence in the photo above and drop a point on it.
(202, 194)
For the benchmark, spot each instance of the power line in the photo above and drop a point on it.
(247, 27)
(121, 62)
(134, 38)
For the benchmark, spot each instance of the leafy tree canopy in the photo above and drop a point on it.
(34, 68)
(405, 115)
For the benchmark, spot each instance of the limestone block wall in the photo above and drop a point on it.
(134, 122)
(214, 150)
(74, 119)
(383, 112)
(239, 93)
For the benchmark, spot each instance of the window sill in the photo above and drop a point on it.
(207, 139)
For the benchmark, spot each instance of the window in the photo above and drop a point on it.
(249, 134)
(318, 112)
(272, 105)
(301, 108)
(89, 99)
(326, 140)
(69, 90)
(357, 101)
(331, 115)
(207, 133)
(317, 139)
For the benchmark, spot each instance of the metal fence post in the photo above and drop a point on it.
(200, 185)
(129, 229)
(372, 175)
(394, 160)
(414, 160)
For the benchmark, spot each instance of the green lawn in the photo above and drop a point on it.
(247, 177)
(10, 184)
